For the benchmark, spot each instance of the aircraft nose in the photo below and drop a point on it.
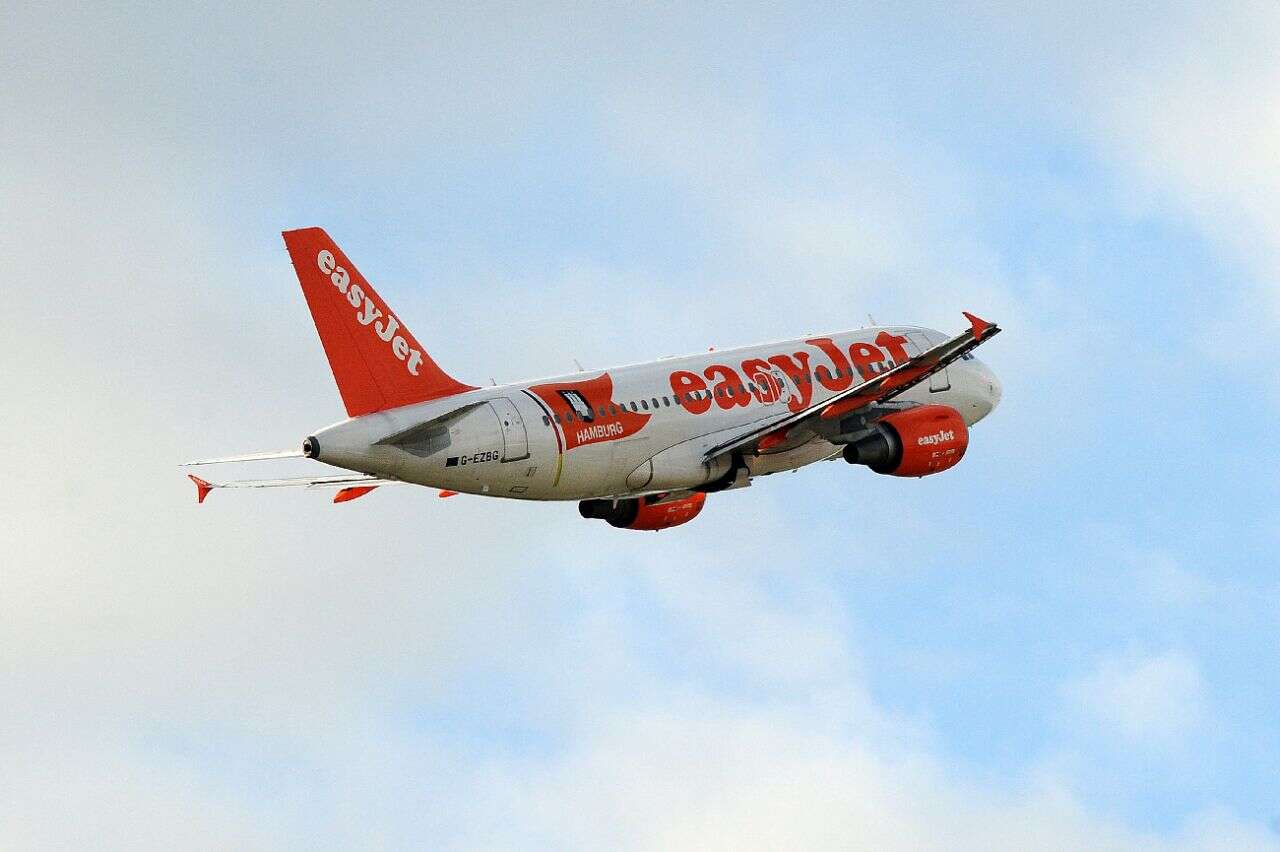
(985, 392)
(995, 390)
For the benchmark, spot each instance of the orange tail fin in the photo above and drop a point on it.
(376, 361)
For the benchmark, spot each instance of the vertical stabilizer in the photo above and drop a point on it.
(376, 361)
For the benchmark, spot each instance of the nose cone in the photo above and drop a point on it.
(995, 390)
(985, 390)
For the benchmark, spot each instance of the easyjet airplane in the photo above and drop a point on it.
(639, 446)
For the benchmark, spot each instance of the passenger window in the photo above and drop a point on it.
(546, 421)
(613, 410)
(655, 402)
(666, 402)
(602, 411)
(644, 405)
(568, 417)
(634, 407)
(558, 418)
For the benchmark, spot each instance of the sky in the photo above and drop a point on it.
(1066, 642)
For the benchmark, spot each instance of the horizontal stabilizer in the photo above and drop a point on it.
(349, 484)
(282, 454)
(348, 494)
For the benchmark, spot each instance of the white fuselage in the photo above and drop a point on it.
(639, 428)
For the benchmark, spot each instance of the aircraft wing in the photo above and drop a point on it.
(352, 486)
(879, 389)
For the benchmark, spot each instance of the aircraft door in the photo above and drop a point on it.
(515, 439)
(920, 342)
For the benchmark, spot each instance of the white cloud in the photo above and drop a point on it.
(1152, 702)
(1184, 104)
(141, 325)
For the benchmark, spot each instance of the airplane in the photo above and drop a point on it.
(641, 446)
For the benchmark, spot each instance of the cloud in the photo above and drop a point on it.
(269, 671)
(1151, 702)
(1185, 109)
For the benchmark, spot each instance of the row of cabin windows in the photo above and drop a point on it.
(822, 373)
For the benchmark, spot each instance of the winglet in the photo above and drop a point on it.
(202, 488)
(980, 326)
(447, 493)
(352, 493)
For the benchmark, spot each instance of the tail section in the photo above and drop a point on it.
(376, 361)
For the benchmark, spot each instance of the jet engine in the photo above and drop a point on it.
(644, 513)
(915, 442)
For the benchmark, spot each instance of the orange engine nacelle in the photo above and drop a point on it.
(915, 442)
(645, 513)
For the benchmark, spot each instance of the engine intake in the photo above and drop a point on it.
(916, 442)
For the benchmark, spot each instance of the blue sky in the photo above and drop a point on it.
(1065, 642)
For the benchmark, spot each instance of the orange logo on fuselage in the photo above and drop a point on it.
(696, 396)
(587, 413)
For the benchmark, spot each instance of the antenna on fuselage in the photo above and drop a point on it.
(581, 369)
(872, 320)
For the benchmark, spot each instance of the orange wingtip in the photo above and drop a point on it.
(979, 325)
(347, 494)
(447, 493)
(202, 488)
